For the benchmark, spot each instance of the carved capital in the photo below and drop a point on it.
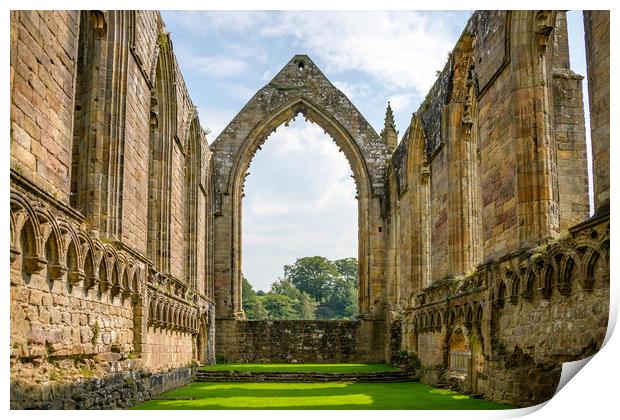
(564, 288)
(34, 264)
(588, 284)
(14, 253)
(90, 281)
(542, 27)
(103, 286)
(56, 271)
(75, 277)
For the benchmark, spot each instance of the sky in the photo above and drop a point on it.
(300, 196)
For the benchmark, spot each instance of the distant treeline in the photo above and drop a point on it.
(312, 288)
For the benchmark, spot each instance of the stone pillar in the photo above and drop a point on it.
(536, 169)
(460, 136)
(596, 25)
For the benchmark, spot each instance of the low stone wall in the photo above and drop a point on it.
(359, 341)
(115, 391)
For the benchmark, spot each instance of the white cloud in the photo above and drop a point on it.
(237, 91)
(214, 120)
(217, 66)
(353, 91)
(401, 101)
(267, 75)
(214, 22)
(400, 49)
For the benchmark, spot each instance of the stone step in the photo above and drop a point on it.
(237, 376)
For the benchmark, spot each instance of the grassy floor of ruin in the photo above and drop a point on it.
(313, 396)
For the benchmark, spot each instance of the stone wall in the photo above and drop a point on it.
(43, 58)
(108, 265)
(488, 214)
(115, 391)
(166, 349)
(359, 341)
(596, 25)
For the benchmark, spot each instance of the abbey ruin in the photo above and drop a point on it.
(477, 251)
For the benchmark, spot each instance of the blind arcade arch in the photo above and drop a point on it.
(299, 88)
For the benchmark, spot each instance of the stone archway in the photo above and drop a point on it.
(299, 88)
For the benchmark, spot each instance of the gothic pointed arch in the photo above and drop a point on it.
(194, 197)
(299, 88)
(162, 132)
(97, 162)
(418, 184)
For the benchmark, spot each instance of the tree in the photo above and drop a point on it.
(285, 287)
(306, 306)
(259, 311)
(313, 275)
(313, 287)
(252, 304)
(348, 267)
(280, 306)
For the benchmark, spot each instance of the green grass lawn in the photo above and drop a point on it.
(312, 396)
(304, 367)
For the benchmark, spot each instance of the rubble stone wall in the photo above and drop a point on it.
(300, 341)
(116, 391)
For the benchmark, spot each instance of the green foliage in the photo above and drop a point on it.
(306, 307)
(313, 275)
(312, 288)
(252, 305)
(280, 306)
(349, 270)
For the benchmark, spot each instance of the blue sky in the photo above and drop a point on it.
(300, 198)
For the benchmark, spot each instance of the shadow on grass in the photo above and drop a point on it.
(313, 396)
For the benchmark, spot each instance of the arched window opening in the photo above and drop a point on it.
(27, 245)
(103, 277)
(161, 142)
(72, 267)
(300, 228)
(501, 294)
(460, 353)
(51, 255)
